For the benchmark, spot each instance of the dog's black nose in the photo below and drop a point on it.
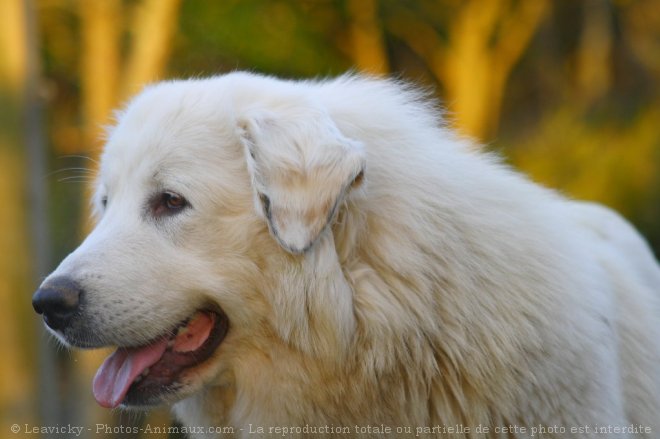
(58, 300)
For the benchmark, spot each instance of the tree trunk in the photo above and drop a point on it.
(368, 47)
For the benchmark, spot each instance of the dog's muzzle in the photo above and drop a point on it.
(58, 300)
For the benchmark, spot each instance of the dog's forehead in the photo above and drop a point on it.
(167, 124)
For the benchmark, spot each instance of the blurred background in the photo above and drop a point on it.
(566, 90)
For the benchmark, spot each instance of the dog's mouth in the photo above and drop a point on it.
(144, 375)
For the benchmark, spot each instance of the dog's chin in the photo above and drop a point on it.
(170, 367)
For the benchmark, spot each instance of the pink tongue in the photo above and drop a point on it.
(120, 369)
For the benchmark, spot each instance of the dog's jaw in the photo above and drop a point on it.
(153, 373)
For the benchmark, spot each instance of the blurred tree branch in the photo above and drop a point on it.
(421, 37)
(12, 32)
(154, 25)
(100, 63)
(104, 82)
(485, 39)
(641, 19)
(594, 52)
(368, 47)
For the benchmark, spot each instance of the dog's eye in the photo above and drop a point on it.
(173, 201)
(104, 201)
(169, 203)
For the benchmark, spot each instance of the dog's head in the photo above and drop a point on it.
(214, 202)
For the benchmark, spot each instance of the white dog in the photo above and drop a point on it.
(325, 258)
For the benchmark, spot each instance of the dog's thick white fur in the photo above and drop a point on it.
(375, 268)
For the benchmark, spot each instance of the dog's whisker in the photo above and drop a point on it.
(75, 179)
(79, 156)
(82, 170)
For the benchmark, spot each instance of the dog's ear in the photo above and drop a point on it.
(302, 167)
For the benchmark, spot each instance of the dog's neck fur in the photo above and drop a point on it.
(313, 285)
